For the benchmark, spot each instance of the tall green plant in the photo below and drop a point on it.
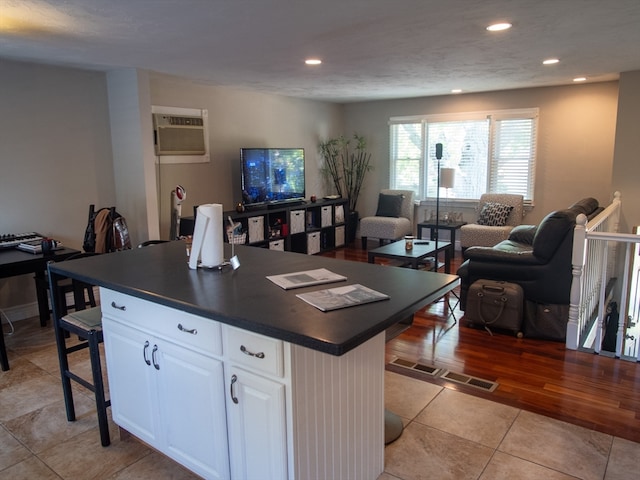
(346, 166)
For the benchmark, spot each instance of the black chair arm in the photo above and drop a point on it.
(494, 255)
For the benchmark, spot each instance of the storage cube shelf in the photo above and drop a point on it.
(308, 228)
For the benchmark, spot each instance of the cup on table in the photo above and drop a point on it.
(408, 242)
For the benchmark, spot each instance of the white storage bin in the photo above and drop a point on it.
(340, 236)
(256, 229)
(325, 216)
(339, 213)
(297, 221)
(277, 245)
(313, 243)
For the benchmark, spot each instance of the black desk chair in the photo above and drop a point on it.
(86, 324)
(87, 299)
(151, 242)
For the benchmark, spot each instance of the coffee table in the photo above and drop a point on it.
(421, 250)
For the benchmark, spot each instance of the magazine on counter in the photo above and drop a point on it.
(306, 278)
(342, 297)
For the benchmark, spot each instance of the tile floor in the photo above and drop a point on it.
(448, 434)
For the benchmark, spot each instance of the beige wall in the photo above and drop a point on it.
(626, 171)
(59, 153)
(55, 157)
(575, 143)
(239, 118)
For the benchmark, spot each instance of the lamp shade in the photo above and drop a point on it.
(447, 177)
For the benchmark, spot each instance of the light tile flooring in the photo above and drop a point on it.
(448, 434)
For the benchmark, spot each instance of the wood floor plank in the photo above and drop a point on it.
(593, 391)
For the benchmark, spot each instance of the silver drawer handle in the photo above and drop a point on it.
(144, 353)
(234, 379)
(114, 305)
(153, 357)
(192, 331)
(251, 354)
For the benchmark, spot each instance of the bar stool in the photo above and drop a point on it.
(87, 325)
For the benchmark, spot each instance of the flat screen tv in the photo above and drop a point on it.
(272, 175)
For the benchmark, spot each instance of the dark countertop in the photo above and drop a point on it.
(246, 299)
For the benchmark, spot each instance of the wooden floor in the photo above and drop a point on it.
(593, 391)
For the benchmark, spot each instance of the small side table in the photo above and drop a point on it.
(452, 227)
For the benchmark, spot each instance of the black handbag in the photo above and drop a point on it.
(546, 321)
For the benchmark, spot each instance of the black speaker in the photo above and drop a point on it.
(438, 151)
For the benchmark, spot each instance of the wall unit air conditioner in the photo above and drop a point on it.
(179, 134)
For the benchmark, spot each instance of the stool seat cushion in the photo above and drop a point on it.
(89, 319)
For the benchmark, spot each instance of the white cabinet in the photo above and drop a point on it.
(256, 408)
(167, 394)
(257, 433)
(230, 403)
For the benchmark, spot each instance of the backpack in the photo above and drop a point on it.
(106, 231)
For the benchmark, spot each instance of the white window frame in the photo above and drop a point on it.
(494, 117)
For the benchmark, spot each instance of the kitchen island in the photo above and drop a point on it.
(235, 377)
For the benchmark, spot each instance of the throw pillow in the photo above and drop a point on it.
(494, 214)
(389, 205)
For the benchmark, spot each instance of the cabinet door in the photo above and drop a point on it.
(257, 426)
(131, 380)
(192, 409)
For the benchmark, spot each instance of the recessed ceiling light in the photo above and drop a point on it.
(580, 79)
(550, 61)
(313, 61)
(497, 27)
(456, 90)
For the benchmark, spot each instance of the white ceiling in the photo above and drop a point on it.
(371, 49)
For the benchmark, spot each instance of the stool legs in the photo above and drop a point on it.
(101, 403)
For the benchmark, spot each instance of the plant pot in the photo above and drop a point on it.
(352, 226)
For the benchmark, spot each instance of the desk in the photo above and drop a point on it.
(416, 255)
(15, 262)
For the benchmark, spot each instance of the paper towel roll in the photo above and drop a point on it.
(207, 237)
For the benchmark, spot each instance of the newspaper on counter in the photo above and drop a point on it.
(342, 297)
(306, 278)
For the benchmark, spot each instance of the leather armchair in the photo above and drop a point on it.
(538, 258)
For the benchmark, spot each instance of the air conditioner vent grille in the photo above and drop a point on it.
(179, 134)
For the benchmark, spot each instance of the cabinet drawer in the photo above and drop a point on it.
(173, 325)
(255, 351)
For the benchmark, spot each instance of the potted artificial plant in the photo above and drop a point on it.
(345, 166)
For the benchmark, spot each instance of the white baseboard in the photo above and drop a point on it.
(16, 313)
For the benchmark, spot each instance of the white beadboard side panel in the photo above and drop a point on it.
(338, 407)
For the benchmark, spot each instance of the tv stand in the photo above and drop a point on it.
(293, 225)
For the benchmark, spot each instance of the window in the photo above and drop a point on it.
(489, 151)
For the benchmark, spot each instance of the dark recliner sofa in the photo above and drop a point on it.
(538, 258)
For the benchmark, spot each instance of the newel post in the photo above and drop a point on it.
(577, 266)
